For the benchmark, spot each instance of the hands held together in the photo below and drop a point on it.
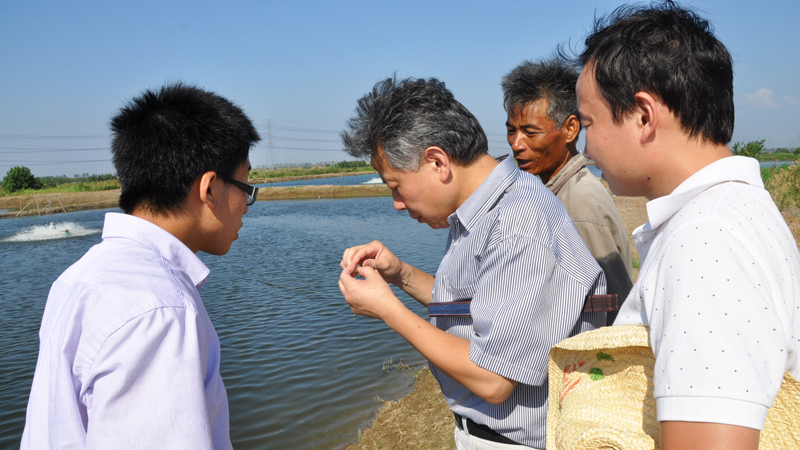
(371, 296)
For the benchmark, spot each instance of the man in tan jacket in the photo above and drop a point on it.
(543, 127)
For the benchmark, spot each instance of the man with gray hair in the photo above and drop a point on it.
(543, 127)
(513, 258)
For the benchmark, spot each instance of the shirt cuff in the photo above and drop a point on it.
(713, 410)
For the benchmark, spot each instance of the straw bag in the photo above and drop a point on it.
(601, 395)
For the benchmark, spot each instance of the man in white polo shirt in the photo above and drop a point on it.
(719, 285)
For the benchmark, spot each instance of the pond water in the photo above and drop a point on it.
(300, 369)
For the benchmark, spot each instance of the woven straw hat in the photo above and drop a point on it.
(601, 391)
(601, 395)
(782, 428)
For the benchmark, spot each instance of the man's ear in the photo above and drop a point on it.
(439, 161)
(571, 128)
(648, 114)
(208, 185)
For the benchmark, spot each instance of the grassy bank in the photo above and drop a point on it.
(66, 188)
(344, 168)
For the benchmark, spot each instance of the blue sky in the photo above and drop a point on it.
(67, 67)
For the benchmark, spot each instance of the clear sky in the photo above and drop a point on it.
(67, 67)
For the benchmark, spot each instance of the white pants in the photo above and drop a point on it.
(466, 442)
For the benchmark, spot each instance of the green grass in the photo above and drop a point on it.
(82, 186)
(783, 184)
(390, 366)
(301, 171)
(777, 156)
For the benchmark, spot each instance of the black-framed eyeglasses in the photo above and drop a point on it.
(251, 191)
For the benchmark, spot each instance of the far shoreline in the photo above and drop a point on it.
(60, 202)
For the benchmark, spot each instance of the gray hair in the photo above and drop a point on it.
(405, 117)
(553, 79)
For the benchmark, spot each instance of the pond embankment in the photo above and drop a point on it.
(26, 205)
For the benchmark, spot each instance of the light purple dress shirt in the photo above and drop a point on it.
(128, 357)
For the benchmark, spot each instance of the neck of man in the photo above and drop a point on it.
(680, 158)
(572, 150)
(182, 224)
(470, 177)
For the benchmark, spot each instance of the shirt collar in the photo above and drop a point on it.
(152, 236)
(487, 194)
(733, 168)
(573, 166)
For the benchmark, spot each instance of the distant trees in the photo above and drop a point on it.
(58, 180)
(751, 149)
(19, 178)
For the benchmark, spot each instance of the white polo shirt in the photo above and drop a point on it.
(719, 288)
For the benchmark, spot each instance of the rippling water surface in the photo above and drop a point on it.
(302, 372)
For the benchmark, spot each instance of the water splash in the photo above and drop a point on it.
(375, 180)
(53, 230)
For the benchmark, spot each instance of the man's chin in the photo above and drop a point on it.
(437, 225)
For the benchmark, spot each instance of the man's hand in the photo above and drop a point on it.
(376, 256)
(370, 297)
(373, 297)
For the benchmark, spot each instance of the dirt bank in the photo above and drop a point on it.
(26, 205)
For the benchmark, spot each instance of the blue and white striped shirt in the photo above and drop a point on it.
(515, 252)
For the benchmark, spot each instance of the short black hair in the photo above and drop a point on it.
(669, 52)
(553, 79)
(163, 140)
(404, 117)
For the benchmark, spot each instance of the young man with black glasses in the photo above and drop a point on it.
(128, 357)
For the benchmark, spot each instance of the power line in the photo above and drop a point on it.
(51, 163)
(307, 130)
(336, 141)
(48, 150)
(42, 136)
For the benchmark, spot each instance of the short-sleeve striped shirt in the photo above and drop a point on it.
(515, 252)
